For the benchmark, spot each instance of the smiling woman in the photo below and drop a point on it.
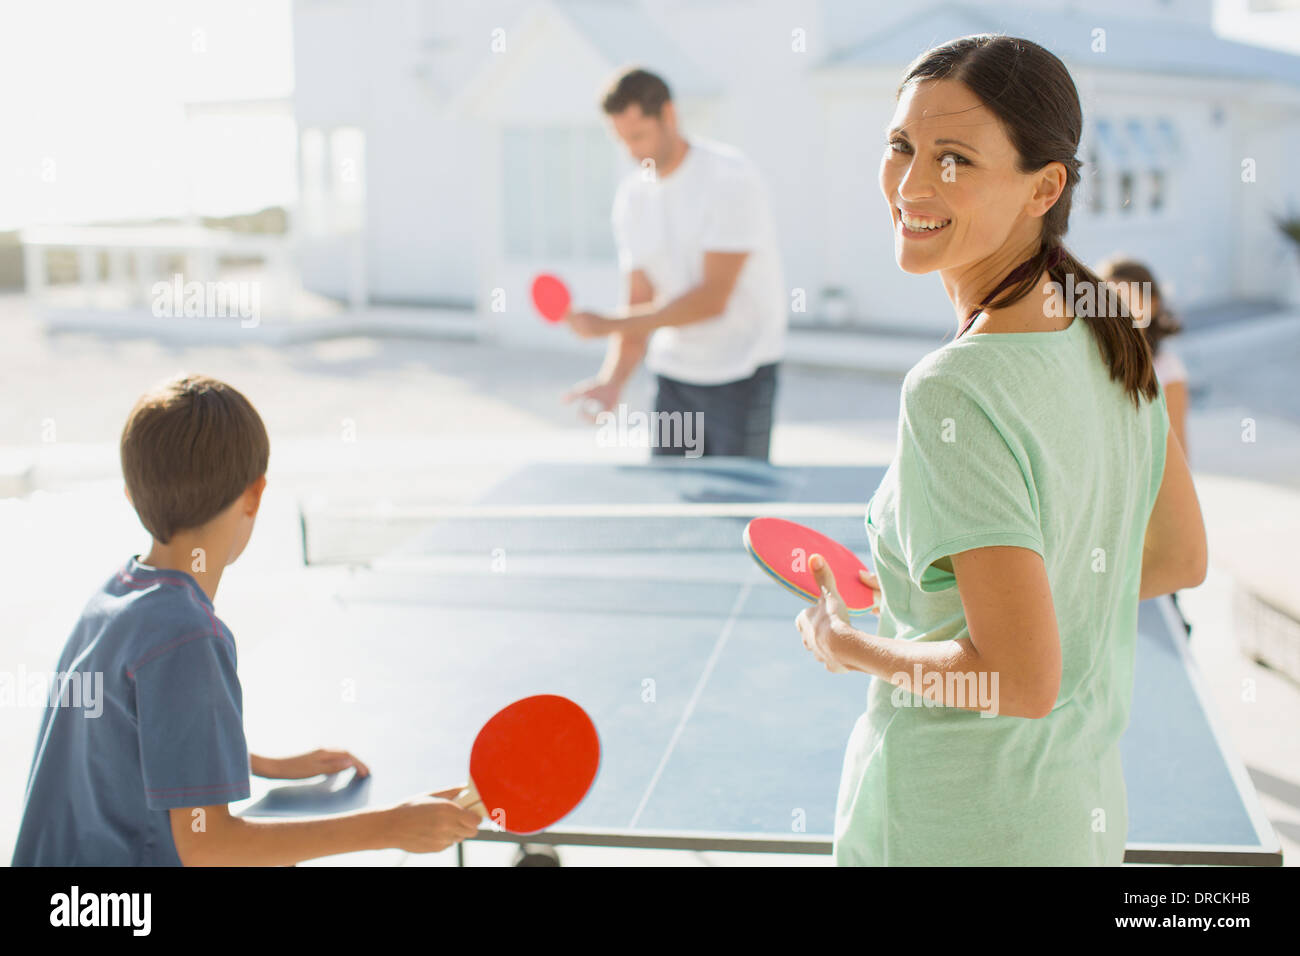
(1007, 174)
(1030, 504)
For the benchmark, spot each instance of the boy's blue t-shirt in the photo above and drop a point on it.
(167, 730)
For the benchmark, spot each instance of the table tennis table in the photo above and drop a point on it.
(630, 592)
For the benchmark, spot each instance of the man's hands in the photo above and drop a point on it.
(589, 325)
(597, 396)
(429, 823)
(825, 627)
(306, 765)
(626, 349)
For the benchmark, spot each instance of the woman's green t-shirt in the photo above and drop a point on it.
(1017, 439)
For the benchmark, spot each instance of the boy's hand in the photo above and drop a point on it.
(308, 765)
(429, 823)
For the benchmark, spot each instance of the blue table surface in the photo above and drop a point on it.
(413, 664)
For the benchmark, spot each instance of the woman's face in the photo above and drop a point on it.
(948, 163)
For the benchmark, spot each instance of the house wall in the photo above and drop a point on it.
(1191, 248)
(1210, 245)
(1267, 261)
(859, 253)
(524, 94)
(367, 66)
(433, 150)
(764, 51)
(1184, 11)
(419, 217)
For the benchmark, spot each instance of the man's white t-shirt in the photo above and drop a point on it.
(714, 201)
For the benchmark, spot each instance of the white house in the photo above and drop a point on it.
(460, 146)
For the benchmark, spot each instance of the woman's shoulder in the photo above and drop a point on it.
(955, 370)
(934, 371)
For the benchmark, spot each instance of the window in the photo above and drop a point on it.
(558, 193)
(599, 184)
(1116, 158)
(1124, 201)
(517, 197)
(348, 178)
(1170, 150)
(1095, 184)
(311, 159)
(1134, 163)
(557, 190)
(333, 164)
(1149, 158)
(1157, 190)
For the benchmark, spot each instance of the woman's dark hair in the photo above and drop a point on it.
(1163, 323)
(1032, 94)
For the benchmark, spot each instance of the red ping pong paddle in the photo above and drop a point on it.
(551, 297)
(532, 763)
(782, 549)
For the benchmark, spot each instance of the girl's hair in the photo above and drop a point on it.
(1031, 92)
(1163, 323)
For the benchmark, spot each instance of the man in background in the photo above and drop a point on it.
(706, 306)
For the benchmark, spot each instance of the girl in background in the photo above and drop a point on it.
(1169, 368)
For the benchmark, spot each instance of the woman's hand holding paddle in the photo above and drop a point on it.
(873, 582)
(825, 627)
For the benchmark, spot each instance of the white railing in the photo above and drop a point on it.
(136, 257)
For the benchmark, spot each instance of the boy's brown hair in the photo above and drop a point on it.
(189, 449)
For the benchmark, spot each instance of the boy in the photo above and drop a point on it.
(147, 782)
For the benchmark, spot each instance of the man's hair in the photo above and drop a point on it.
(190, 447)
(639, 87)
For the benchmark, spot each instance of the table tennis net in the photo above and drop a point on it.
(359, 537)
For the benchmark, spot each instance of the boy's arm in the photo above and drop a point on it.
(260, 766)
(212, 836)
(301, 766)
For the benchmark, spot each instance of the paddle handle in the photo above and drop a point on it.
(468, 799)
